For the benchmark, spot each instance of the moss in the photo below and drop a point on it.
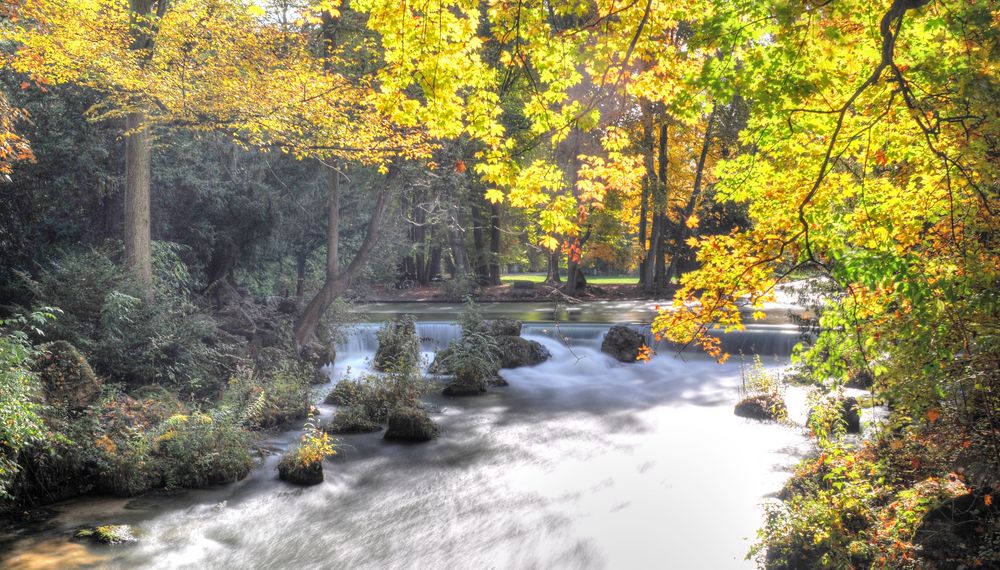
(67, 377)
(110, 534)
(292, 470)
(352, 419)
(410, 424)
(345, 393)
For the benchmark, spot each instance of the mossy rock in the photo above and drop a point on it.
(516, 351)
(68, 379)
(623, 343)
(410, 424)
(289, 469)
(318, 354)
(398, 346)
(850, 414)
(762, 407)
(352, 420)
(460, 389)
(345, 393)
(110, 534)
(503, 327)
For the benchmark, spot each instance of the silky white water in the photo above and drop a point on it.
(582, 462)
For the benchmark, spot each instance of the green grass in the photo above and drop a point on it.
(593, 280)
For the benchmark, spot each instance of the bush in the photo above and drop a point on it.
(271, 395)
(398, 346)
(303, 464)
(22, 422)
(201, 450)
(170, 341)
(761, 393)
(352, 419)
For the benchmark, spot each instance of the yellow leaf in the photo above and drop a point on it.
(550, 243)
(494, 196)
(255, 11)
(692, 222)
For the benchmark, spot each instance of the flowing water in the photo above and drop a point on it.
(582, 462)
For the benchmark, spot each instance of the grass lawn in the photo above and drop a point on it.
(591, 279)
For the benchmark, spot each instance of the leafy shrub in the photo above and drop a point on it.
(758, 384)
(22, 422)
(459, 288)
(271, 395)
(303, 463)
(474, 359)
(170, 341)
(201, 449)
(398, 346)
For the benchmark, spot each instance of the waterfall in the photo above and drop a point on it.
(763, 340)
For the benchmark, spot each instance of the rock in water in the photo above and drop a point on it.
(850, 412)
(503, 327)
(109, 534)
(67, 377)
(458, 388)
(318, 354)
(291, 470)
(623, 343)
(352, 419)
(761, 407)
(410, 424)
(516, 351)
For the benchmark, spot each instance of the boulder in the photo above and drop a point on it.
(958, 528)
(503, 327)
(317, 354)
(623, 343)
(458, 388)
(410, 424)
(523, 284)
(352, 419)
(761, 407)
(109, 534)
(516, 351)
(850, 414)
(291, 470)
(344, 393)
(860, 379)
(68, 379)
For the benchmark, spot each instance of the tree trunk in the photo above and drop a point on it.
(648, 195)
(479, 242)
(552, 275)
(336, 284)
(333, 225)
(138, 159)
(494, 261)
(661, 173)
(456, 240)
(300, 274)
(681, 233)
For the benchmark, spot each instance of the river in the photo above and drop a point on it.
(581, 462)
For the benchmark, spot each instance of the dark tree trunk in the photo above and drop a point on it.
(337, 283)
(552, 274)
(479, 242)
(494, 261)
(648, 195)
(661, 174)
(300, 274)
